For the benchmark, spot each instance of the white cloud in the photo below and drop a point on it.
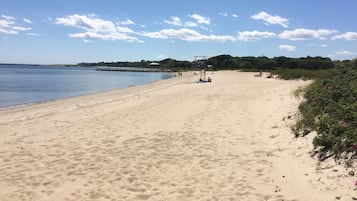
(7, 25)
(8, 18)
(127, 22)
(97, 28)
(6, 21)
(187, 35)
(27, 20)
(289, 48)
(254, 35)
(306, 34)
(190, 24)
(86, 22)
(200, 19)
(174, 21)
(269, 19)
(224, 14)
(21, 28)
(346, 36)
(111, 36)
(344, 52)
(124, 30)
(8, 31)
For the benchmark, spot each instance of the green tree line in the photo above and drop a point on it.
(265, 63)
(228, 62)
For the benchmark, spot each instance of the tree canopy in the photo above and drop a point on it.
(228, 62)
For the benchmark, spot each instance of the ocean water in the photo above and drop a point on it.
(23, 84)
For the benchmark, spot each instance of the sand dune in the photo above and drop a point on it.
(170, 140)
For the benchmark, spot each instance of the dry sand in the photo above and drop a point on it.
(170, 140)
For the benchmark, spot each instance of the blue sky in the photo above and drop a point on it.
(59, 31)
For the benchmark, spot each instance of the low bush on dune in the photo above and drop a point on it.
(330, 109)
(305, 74)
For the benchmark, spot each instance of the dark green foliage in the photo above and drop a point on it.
(305, 74)
(308, 63)
(227, 62)
(264, 63)
(330, 108)
(166, 64)
(222, 62)
(175, 65)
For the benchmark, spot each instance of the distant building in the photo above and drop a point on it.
(154, 64)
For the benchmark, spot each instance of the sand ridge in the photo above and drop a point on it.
(171, 140)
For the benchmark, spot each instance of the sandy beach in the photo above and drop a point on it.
(174, 139)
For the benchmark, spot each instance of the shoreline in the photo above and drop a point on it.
(38, 92)
(75, 96)
(173, 139)
(74, 102)
(129, 69)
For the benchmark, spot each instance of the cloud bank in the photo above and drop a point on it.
(189, 28)
(187, 35)
(346, 36)
(7, 25)
(97, 29)
(306, 34)
(254, 35)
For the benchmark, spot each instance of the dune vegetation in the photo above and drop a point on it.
(330, 108)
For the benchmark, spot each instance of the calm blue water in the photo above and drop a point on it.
(22, 84)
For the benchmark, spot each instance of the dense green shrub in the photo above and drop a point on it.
(330, 108)
(305, 74)
(267, 64)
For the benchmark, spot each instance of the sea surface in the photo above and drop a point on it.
(24, 84)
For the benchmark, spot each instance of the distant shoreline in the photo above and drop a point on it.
(62, 84)
(129, 69)
(69, 98)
